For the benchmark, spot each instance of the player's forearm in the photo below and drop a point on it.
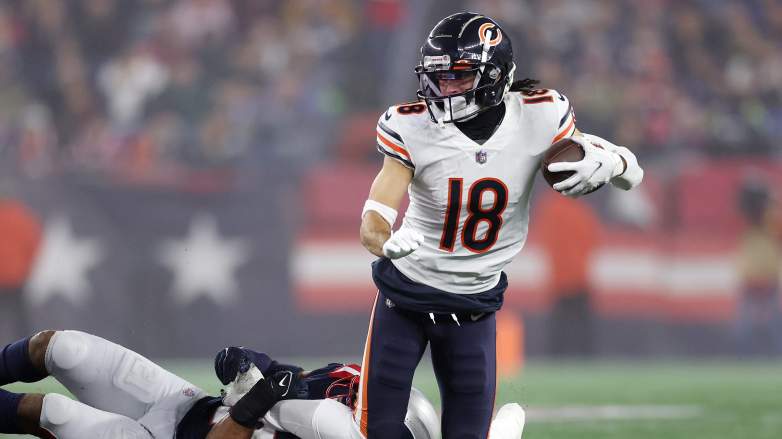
(385, 196)
(244, 415)
(375, 231)
(229, 429)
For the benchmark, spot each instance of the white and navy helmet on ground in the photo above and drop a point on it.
(460, 46)
(421, 418)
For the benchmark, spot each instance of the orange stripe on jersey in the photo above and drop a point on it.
(361, 408)
(392, 145)
(539, 100)
(567, 130)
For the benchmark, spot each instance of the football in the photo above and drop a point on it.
(565, 150)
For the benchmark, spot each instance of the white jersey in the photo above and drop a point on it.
(471, 201)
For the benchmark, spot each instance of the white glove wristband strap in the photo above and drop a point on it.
(619, 164)
(621, 167)
(387, 213)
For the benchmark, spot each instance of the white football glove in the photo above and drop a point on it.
(401, 243)
(241, 385)
(597, 168)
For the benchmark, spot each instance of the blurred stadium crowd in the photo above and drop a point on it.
(142, 87)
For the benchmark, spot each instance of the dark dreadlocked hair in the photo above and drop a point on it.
(526, 84)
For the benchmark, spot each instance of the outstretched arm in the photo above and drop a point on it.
(244, 416)
(250, 394)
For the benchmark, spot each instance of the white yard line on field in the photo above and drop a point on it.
(611, 412)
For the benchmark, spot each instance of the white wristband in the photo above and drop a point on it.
(387, 213)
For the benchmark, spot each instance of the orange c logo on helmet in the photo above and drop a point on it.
(482, 34)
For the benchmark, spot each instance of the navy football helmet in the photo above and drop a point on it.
(465, 46)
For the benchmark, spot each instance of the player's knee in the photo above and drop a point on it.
(65, 417)
(57, 410)
(29, 409)
(67, 349)
(468, 374)
(37, 347)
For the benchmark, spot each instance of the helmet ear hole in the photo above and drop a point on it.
(493, 73)
(485, 97)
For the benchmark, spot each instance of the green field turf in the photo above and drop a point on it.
(717, 399)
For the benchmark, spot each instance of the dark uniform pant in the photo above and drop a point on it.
(464, 362)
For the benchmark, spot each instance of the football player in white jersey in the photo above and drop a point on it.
(121, 394)
(466, 153)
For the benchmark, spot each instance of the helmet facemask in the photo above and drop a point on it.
(463, 105)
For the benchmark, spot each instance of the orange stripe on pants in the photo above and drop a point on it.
(361, 408)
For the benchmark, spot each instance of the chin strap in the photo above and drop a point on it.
(511, 74)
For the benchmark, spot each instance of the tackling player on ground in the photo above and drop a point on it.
(121, 394)
(466, 153)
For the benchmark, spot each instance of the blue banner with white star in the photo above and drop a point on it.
(173, 274)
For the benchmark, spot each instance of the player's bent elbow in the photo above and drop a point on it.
(365, 241)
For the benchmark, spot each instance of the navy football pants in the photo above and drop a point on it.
(464, 361)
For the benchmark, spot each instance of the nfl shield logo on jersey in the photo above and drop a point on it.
(481, 157)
